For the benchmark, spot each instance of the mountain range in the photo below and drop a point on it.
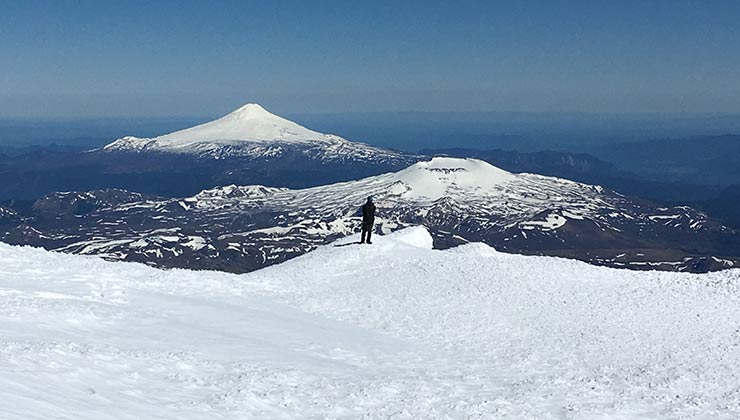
(242, 228)
(285, 200)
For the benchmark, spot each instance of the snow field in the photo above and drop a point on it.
(393, 330)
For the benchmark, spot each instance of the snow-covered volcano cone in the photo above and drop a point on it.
(252, 131)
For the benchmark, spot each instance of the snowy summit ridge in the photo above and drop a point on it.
(251, 131)
(462, 333)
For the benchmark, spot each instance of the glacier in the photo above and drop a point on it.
(396, 330)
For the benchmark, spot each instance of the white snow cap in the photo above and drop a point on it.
(442, 175)
(251, 122)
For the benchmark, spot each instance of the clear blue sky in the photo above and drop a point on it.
(154, 58)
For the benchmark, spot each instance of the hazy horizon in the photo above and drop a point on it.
(410, 131)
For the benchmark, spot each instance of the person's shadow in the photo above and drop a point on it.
(347, 244)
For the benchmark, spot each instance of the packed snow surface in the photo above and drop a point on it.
(394, 330)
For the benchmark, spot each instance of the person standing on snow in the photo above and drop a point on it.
(368, 219)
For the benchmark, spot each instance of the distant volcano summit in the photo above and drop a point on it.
(249, 146)
(250, 123)
(252, 131)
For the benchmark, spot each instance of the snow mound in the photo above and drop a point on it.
(389, 330)
(412, 237)
(417, 236)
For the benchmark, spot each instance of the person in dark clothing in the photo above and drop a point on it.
(368, 219)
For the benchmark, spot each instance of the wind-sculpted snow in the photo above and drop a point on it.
(394, 330)
(242, 228)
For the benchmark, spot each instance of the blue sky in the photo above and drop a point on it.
(156, 58)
